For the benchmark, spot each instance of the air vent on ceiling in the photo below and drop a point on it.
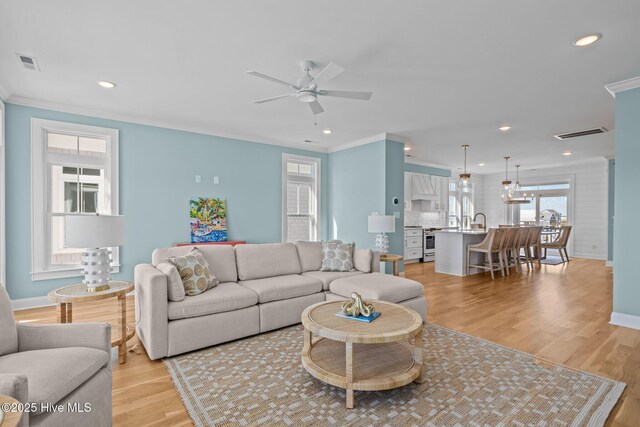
(28, 62)
(580, 133)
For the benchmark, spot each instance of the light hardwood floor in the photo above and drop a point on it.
(560, 313)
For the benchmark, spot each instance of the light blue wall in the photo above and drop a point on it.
(427, 170)
(626, 286)
(610, 207)
(356, 188)
(157, 171)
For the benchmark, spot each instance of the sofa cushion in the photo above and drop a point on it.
(227, 296)
(310, 255)
(378, 286)
(266, 260)
(362, 260)
(194, 272)
(282, 287)
(54, 373)
(337, 256)
(326, 277)
(175, 288)
(221, 259)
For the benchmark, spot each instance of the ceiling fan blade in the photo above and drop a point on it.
(363, 96)
(273, 98)
(316, 108)
(328, 73)
(273, 79)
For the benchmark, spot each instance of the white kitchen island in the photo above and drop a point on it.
(451, 252)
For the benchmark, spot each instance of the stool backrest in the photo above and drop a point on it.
(498, 238)
(565, 231)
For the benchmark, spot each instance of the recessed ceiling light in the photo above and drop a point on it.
(567, 153)
(327, 131)
(480, 164)
(407, 148)
(587, 40)
(504, 128)
(106, 84)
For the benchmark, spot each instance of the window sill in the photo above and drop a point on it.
(63, 273)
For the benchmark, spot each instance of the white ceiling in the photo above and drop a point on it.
(443, 73)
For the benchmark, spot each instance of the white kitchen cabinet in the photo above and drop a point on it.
(407, 191)
(413, 244)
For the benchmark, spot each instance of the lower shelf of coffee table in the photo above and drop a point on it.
(375, 366)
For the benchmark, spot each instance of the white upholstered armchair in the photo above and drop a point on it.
(68, 366)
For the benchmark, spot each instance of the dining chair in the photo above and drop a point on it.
(533, 246)
(560, 243)
(491, 246)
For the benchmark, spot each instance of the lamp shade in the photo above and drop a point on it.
(93, 231)
(382, 224)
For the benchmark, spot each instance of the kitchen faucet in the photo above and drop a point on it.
(484, 223)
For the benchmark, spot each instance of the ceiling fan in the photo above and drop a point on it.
(307, 88)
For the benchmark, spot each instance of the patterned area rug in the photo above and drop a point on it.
(467, 382)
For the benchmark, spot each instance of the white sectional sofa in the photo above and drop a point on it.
(262, 287)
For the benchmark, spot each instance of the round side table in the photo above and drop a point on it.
(395, 259)
(67, 296)
(9, 419)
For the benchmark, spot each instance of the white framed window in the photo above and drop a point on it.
(74, 169)
(300, 198)
(461, 207)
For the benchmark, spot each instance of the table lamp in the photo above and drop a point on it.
(382, 224)
(96, 233)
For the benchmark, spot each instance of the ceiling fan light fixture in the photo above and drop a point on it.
(307, 96)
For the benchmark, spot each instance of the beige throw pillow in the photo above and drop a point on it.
(175, 288)
(337, 256)
(194, 272)
(362, 260)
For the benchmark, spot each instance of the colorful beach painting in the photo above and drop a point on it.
(208, 219)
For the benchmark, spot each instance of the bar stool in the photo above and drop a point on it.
(534, 248)
(509, 252)
(490, 246)
(521, 246)
(560, 243)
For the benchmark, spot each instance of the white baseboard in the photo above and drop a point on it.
(585, 255)
(609, 264)
(626, 320)
(25, 303)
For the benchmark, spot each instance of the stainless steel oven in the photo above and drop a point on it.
(429, 246)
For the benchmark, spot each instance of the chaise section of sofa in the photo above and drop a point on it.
(262, 287)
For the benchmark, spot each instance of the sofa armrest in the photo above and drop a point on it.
(152, 314)
(15, 385)
(375, 262)
(41, 337)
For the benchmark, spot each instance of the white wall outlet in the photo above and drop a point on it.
(198, 179)
(216, 180)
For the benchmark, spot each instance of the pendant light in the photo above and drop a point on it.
(518, 197)
(505, 192)
(465, 184)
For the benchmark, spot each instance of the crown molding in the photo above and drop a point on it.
(623, 85)
(90, 112)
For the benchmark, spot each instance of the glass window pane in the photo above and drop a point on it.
(89, 198)
(92, 147)
(59, 254)
(59, 143)
(70, 202)
(292, 168)
(305, 169)
(298, 228)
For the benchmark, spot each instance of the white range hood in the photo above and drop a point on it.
(422, 188)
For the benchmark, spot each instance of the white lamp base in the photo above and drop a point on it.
(97, 266)
(382, 243)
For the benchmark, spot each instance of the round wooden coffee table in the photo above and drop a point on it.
(67, 296)
(363, 356)
(10, 416)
